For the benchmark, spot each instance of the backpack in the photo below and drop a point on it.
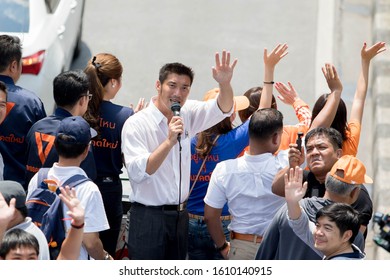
(45, 209)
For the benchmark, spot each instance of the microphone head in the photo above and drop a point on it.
(175, 107)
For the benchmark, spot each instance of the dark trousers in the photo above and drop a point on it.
(111, 190)
(156, 234)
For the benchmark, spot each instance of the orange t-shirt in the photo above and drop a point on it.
(351, 144)
(290, 132)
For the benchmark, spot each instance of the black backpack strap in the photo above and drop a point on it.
(75, 180)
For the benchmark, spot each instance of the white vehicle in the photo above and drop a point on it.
(50, 32)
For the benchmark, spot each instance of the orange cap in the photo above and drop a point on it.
(352, 170)
(240, 102)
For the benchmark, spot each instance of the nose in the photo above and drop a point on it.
(314, 151)
(318, 232)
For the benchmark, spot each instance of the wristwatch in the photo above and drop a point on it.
(223, 247)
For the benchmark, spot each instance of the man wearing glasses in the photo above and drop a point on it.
(71, 95)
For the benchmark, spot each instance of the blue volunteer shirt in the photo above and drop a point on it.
(107, 146)
(40, 146)
(24, 109)
(228, 146)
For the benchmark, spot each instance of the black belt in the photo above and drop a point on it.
(169, 207)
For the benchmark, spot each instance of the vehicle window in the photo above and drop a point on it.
(51, 5)
(14, 16)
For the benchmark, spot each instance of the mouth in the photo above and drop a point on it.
(319, 242)
(315, 160)
(175, 100)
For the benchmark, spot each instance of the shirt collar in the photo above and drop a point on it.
(7, 80)
(249, 157)
(157, 116)
(60, 112)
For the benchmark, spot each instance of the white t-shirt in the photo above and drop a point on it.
(88, 194)
(245, 183)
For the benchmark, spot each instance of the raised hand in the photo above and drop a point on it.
(295, 157)
(332, 78)
(223, 70)
(293, 189)
(369, 53)
(288, 95)
(76, 210)
(7, 212)
(141, 105)
(280, 51)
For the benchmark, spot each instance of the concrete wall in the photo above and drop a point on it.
(381, 116)
(355, 22)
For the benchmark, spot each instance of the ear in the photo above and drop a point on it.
(354, 194)
(347, 236)
(82, 100)
(14, 66)
(158, 86)
(275, 138)
(339, 153)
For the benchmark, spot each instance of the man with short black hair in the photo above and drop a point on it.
(70, 91)
(156, 144)
(337, 224)
(245, 183)
(24, 108)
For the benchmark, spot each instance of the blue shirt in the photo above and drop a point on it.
(24, 109)
(107, 146)
(228, 146)
(40, 146)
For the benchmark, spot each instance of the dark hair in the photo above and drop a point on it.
(331, 134)
(17, 238)
(71, 150)
(340, 119)
(206, 137)
(69, 86)
(175, 68)
(23, 211)
(254, 95)
(10, 50)
(100, 69)
(3, 88)
(344, 216)
(264, 123)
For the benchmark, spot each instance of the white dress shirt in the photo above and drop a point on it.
(143, 132)
(245, 183)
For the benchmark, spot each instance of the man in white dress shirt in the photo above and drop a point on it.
(245, 183)
(157, 154)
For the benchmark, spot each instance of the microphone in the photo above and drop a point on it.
(175, 107)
